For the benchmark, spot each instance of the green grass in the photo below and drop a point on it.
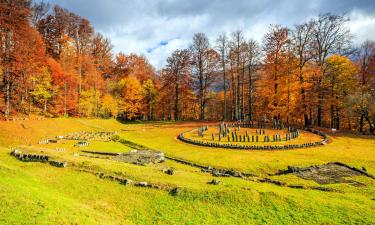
(37, 193)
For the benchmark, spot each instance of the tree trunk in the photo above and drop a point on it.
(201, 90)
(319, 107)
(250, 94)
(361, 123)
(243, 92)
(45, 105)
(371, 126)
(7, 73)
(7, 94)
(176, 103)
(233, 95)
(303, 95)
(332, 117)
(225, 91)
(163, 111)
(65, 96)
(238, 93)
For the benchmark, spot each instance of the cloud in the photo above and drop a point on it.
(362, 25)
(150, 27)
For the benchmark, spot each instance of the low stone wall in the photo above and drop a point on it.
(58, 164)
(29, 157)
(257, 147)
(26, 157)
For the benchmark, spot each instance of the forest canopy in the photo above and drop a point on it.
(54, 63)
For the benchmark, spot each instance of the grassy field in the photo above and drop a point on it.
(37, 193)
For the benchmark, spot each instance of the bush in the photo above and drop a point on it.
(115, 137)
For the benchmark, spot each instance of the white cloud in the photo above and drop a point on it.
(362, 26)
(135, 26)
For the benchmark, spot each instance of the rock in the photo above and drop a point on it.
(217, 173)
(126, 181)
(222, 172)
(169, 171)
(293, 169)
(58, 164)
(175, 191)
(214, 182)
(142, 184)
(234, 173)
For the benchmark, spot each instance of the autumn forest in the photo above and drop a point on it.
(53, 63)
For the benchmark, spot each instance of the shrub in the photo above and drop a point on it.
(114, 137)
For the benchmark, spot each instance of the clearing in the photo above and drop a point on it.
(329, 184)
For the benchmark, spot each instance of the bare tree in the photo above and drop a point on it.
(274, 45)
(366, 57)
(39, 10)
(204, 65)
(177, 72)
(302, 42)
(237, 48)
(253, 55)
(222, 47)
(330, 36)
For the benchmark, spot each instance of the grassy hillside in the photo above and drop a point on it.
(37, 193)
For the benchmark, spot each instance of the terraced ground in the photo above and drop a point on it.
(38, 193)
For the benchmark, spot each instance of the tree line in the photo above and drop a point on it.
(309, 74)
(53, 62)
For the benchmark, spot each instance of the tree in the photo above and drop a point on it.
(69, 86)
(134, 65)
(222, 47)
(274, 45)
(43, 89)
(88, 102)
(204, 66)
(109, 106)
(149, 94)
(14, 22)
(331, 36)
(131, 102)
(121, 67)
(237, 46)
(82, 33)
(302, 46)
(366, 60)
(102, 56)
(253, 59)
(39, 11)
(339, 80)
(141, 68)
(177, 74)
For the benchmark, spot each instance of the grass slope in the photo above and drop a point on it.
(36, 193)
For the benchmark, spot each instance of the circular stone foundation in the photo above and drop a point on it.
(249, 138)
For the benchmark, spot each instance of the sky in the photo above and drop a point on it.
(155, 28)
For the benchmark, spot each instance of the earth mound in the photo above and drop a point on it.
(330, 173)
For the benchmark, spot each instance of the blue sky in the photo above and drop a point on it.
(155, 28)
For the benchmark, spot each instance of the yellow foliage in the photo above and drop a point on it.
(132, 97)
